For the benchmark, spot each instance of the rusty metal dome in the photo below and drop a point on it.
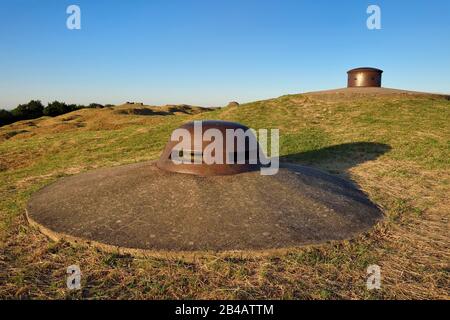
(197, 151)
(364, 77)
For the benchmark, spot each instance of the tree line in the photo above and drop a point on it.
(35, 109)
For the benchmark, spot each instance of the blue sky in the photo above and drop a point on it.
(211, 52)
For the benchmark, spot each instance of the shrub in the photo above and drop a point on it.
(73, 107)
(57, 108)
(95, 105)
(6, 117)
(31, 110)
(35, 109)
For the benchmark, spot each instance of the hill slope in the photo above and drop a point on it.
(394, 146)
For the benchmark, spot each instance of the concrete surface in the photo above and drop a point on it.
(140, 206)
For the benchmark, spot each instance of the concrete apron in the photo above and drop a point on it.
(141, 209)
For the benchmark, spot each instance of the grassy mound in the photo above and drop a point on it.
(394, 146)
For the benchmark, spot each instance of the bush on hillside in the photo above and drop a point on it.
(57, 108)
(6, 117)
(34, 109)
(95, 105)
(73, 107)
(31, 110)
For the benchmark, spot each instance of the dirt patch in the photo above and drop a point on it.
(13, 133)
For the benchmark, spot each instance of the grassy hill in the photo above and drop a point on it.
(395, 145)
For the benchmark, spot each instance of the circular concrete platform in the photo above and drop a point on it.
(139, 206)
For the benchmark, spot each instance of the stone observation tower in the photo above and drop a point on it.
(364, 77)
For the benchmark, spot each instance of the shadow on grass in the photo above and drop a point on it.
(341, 157)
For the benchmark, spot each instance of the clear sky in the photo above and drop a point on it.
(209, 52)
